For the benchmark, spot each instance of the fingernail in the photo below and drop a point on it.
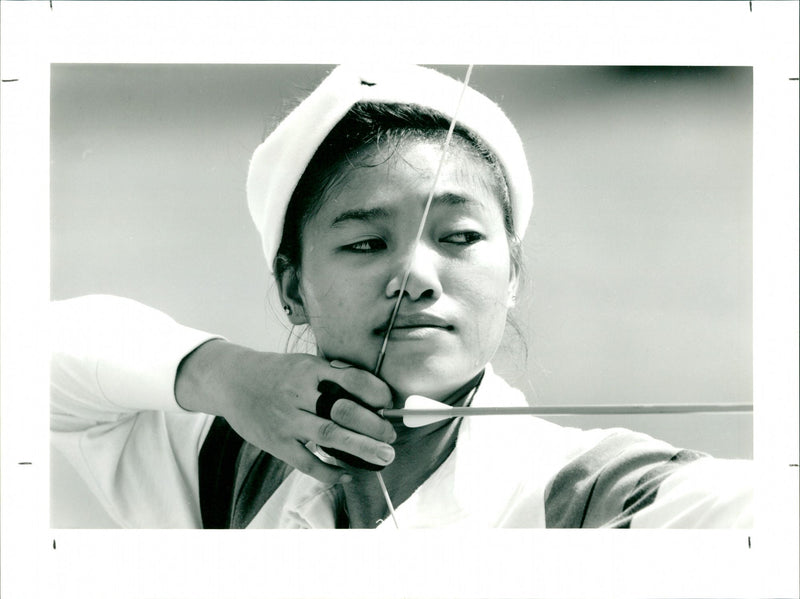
(345, 478)
(385, 454)
(339, 364)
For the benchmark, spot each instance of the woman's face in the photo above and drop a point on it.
(356, 248)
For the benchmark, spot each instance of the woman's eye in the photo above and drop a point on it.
(463, 238)
(366, 245)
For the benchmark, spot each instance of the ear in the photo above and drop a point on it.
(288, 280)
(513, 284)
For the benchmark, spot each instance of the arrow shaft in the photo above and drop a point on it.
(568, 410)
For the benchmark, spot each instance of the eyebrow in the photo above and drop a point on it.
(361, 215)
(373, 214)
(453, 199)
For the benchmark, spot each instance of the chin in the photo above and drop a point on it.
(433, 381)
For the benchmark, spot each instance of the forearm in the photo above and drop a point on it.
(200, 376)
(223, 378)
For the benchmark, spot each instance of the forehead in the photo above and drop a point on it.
(407, 170)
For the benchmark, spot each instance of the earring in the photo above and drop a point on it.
(287, 309)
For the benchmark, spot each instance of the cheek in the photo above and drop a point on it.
(489, 310)
(338, 314)
(483, 291)
(325, 299)
(492, 278)
(333, 304)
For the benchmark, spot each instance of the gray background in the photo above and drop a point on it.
(639, 256)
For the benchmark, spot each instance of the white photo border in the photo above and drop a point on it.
(38, 561)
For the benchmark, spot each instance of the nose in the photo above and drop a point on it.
(423, 279)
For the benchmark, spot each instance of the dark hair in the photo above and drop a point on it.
(350, 144)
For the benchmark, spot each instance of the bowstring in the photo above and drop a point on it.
(407, 272)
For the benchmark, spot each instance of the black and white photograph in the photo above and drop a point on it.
(629, 288)
(498, 307)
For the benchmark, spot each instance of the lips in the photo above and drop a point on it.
(415, 321)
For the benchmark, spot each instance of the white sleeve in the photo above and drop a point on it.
(113, 410)
(707, 493)
(630, 480)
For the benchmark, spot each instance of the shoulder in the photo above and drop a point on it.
(630, 480)
(606, 479)
(620, 478)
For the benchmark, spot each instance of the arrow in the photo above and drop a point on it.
(421, 411)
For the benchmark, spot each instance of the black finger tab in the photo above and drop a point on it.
(325, 404)
(329, 393)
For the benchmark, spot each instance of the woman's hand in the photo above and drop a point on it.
(270, 399)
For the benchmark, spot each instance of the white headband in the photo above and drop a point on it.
(279, 162)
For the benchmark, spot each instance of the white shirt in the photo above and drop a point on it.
(115, 418)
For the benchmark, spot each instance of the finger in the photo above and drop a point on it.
(359, 419)
(327, 433)
(307, 463)
(360, 383)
